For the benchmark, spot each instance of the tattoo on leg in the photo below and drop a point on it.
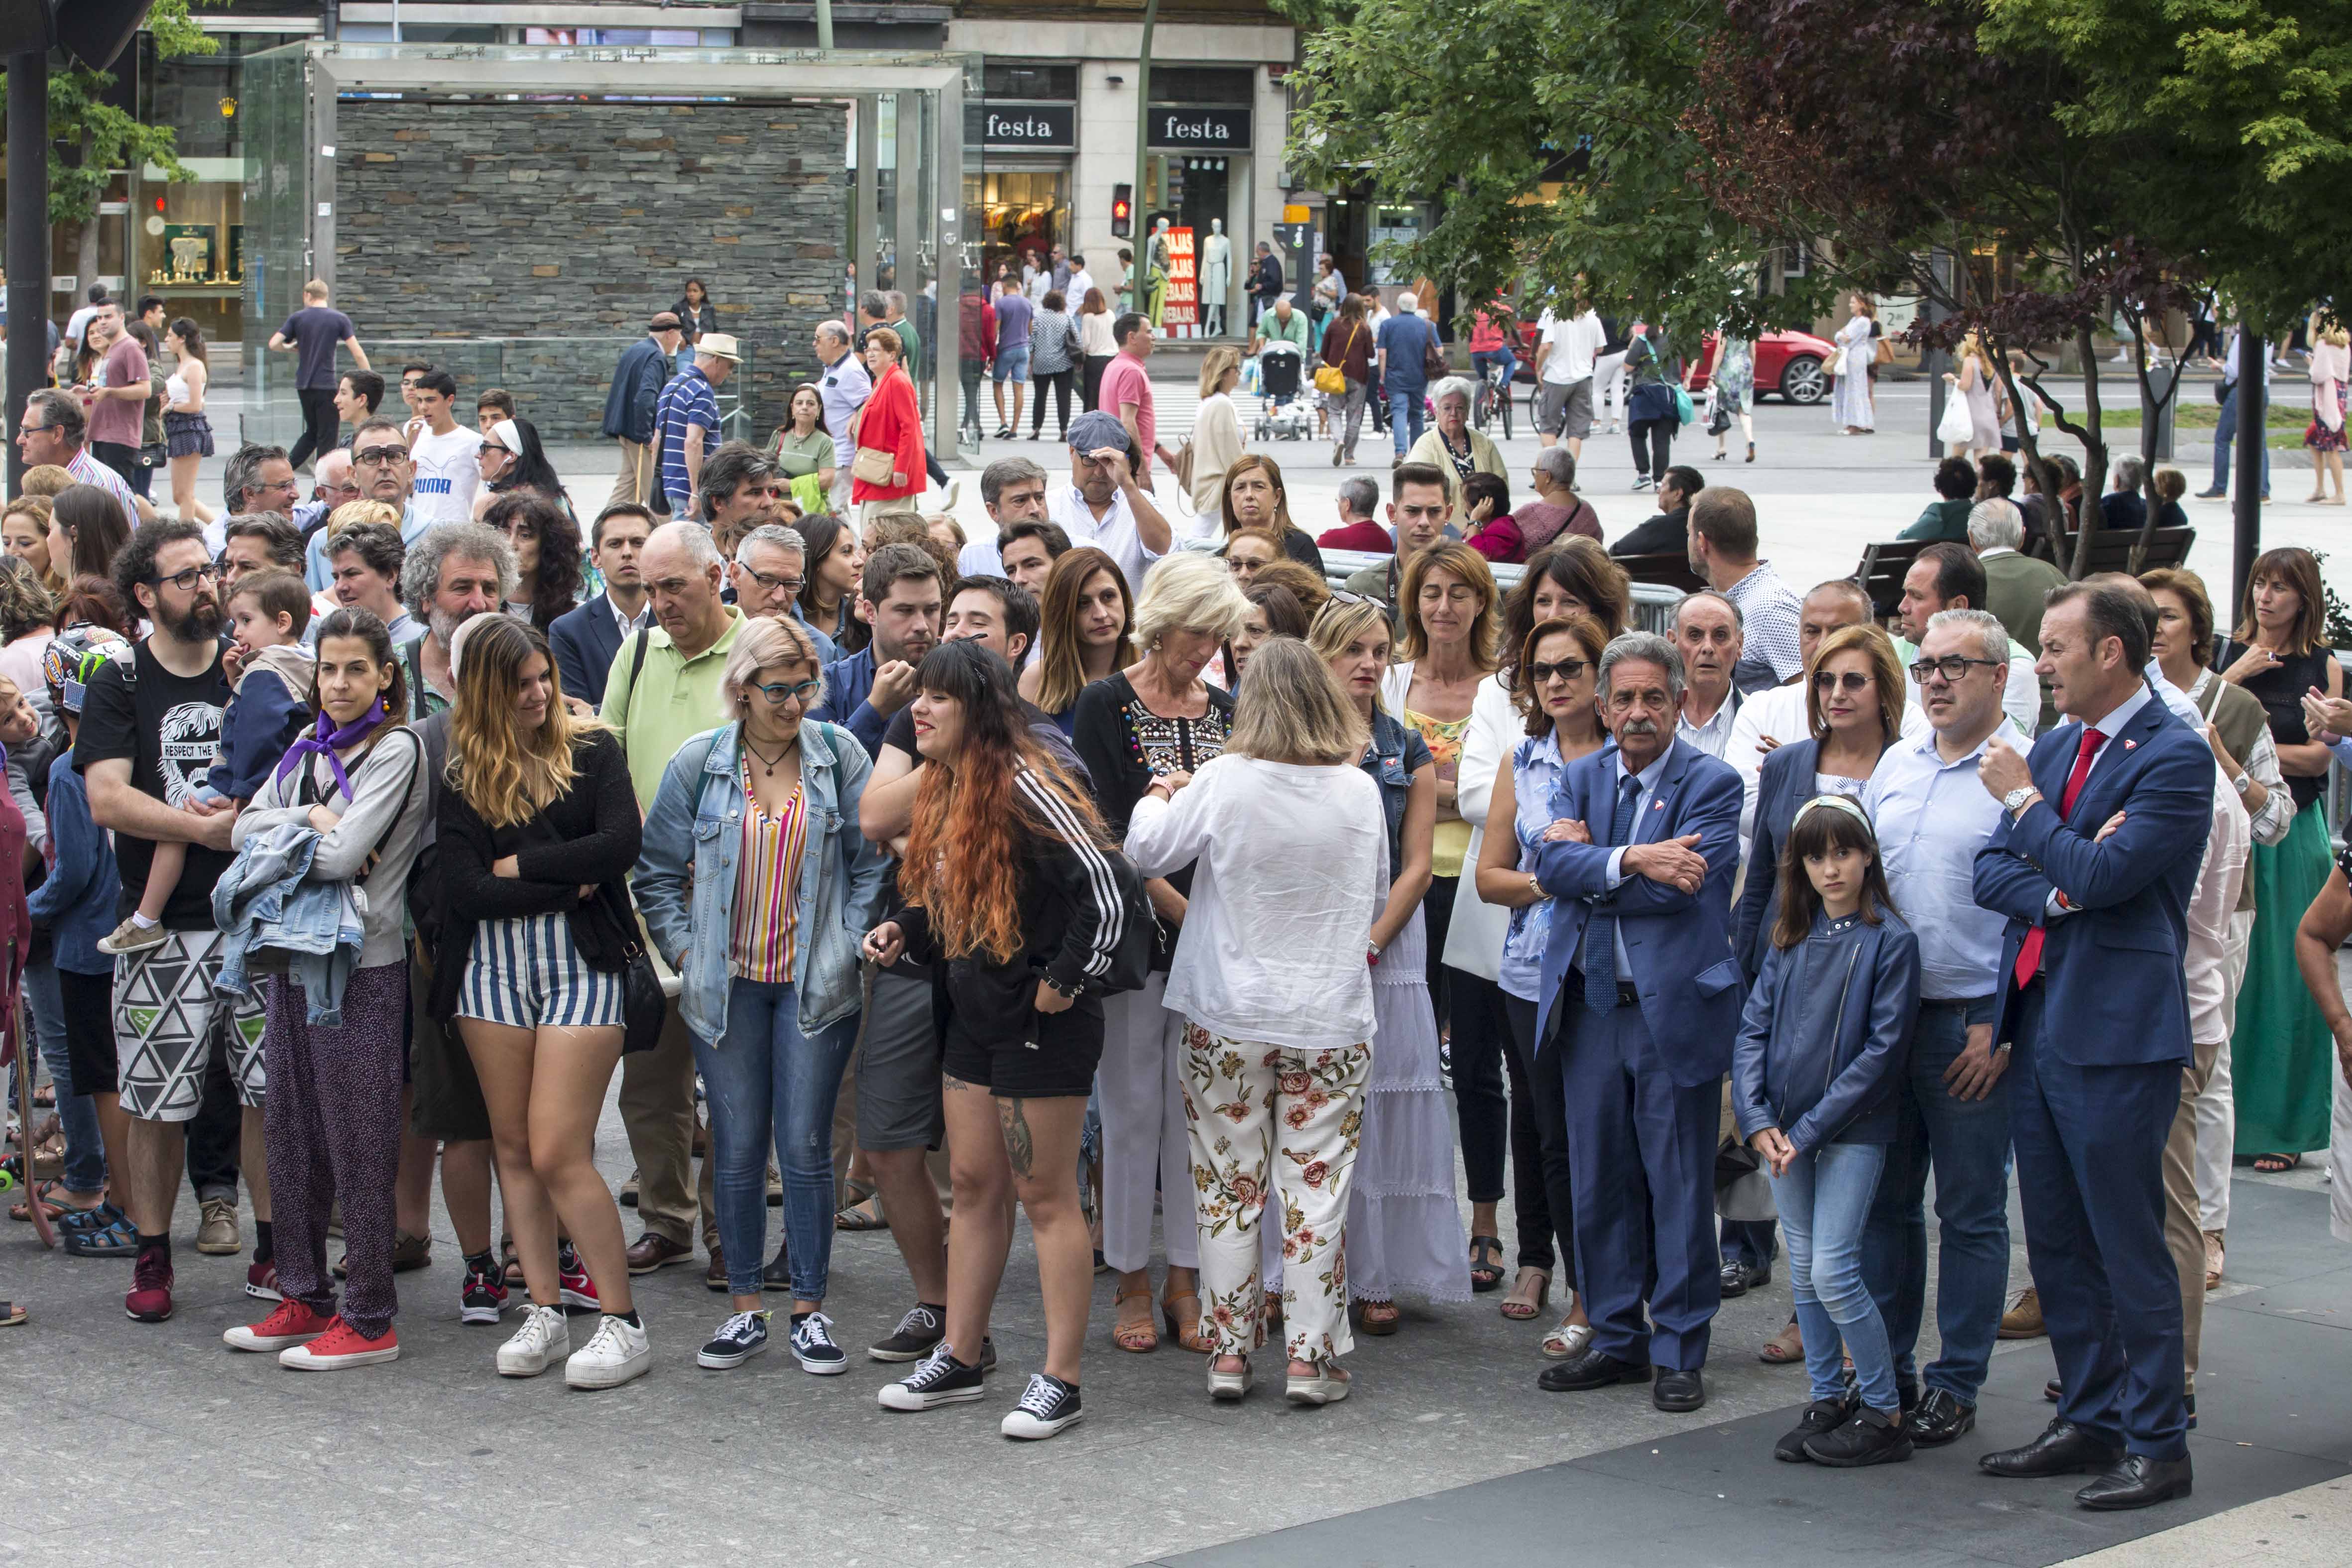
(951, 1083)
(1019, 1146)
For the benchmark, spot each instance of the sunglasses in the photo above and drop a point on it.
(1542, 674)
(1852, 681)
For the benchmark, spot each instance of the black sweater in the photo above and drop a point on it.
(588, 836)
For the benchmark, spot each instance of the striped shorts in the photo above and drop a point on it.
(525, 972)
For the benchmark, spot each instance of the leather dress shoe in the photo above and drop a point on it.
(1591, 1369)
(1738, 1278)
(1939, 1419)
(654, 1250)
(1678, 1390)
(2136, 1482)
(2063, 1449)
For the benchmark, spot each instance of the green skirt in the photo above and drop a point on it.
(2281, 1055)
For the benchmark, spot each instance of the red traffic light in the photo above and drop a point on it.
(1122, 211)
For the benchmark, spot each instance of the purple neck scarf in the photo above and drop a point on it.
(325, 742)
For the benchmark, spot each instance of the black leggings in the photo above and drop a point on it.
(1481, 1041)
(1543, 1196)
(1090, 387)
(1437, 918)
(321, 425)
(1653, 446)
(1060, 380)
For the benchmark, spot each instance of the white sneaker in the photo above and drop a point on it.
(545, 1336)
(617, 1354)
(1047, 1406)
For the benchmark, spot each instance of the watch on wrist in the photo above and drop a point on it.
(2242, 782)
(2016, 800)
(1072, 990)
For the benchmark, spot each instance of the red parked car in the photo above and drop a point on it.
(1790, 364)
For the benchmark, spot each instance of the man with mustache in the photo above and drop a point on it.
(150, 726)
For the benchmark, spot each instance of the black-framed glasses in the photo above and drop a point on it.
(380, 456)
(494, 447)
(1853, 681)
(1951, 666)
(185, 582)
(1540, 673)
(789, 586)
(779, 692)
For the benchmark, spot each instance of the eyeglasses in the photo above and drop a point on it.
(1852, 681)
(383, 457)
(1951, 666)
(185, 582)
(787, 585)
(1539, 673)
(494, 447)
(800, 691)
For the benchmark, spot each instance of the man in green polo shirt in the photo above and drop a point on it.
(664, 690)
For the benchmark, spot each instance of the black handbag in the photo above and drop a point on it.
(642, 1002)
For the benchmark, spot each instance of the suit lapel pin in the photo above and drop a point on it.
(2131, 745)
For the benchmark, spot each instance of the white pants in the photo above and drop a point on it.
(1609, 386)
(2217, 1110)
(1145, 1141)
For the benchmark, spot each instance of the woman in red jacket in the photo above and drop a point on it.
(892, 422)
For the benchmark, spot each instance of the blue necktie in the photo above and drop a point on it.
(1601, 930)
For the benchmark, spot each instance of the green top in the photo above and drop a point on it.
(1942, 521)
(1270, 327)
(798, 455)
(672, 700)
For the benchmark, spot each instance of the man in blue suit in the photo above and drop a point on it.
(2094, 1004)
(630, 401)
(585, 638)
(1640, 975)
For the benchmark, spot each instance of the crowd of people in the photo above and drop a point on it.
(1072, 873)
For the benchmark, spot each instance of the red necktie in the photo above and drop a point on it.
(2029, 954)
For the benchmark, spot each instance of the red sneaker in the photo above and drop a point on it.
(579, 1290)
(261, 1282)
(292, 1324)
(340, 1346)
(149, 1298)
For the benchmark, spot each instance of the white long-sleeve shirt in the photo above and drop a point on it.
(1290, 871)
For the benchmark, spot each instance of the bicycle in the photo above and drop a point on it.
(1493, 395)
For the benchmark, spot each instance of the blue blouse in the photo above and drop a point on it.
(1536, 768)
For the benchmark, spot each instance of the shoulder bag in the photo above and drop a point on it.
(1330, 378)
(873, 465)
(1433, 363)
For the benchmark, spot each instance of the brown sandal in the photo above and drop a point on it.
(1186, 1330)
(1784, 1348)
(1517, 1307)
(1378, 1317)
(1138, 1337)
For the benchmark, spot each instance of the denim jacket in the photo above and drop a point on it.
(1826, 1033)
(695, 832)
(77, 900)
(264, 901)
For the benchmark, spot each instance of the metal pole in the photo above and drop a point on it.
(2246, 507)
(29, 243)
(1139, 227)
(825, 25)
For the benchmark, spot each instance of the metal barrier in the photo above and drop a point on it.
(1653, 606)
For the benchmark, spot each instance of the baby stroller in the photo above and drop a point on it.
(1281, 415)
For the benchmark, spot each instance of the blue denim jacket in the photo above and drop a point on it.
(264, 901)
(77, 901)
(695, 830)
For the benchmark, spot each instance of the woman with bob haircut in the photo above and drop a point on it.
(1292, 848)
(753, 841)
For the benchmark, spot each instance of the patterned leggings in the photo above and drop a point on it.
(331, 1127)
(1235, 1092)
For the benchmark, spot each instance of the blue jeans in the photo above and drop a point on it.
(1487, 359)
(85, 1154)
(1405, 409)
(767, 1082)
(1967, 1141)
(1824, 1201)
(2225, 434)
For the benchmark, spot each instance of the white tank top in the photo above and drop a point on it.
(176, 389)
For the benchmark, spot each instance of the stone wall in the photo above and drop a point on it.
(568, 225)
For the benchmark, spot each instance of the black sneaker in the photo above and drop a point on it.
(917, 1335)
(812, 1346)
(739, 1339)
(939, 1380)
(1047, 1407)
(1822, 1417)
(1871, 1438)
(482, 1298)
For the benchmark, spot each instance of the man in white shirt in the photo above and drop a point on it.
(1105, 507)
(1012, 490)
(1080, 281)
(1948, 576)
(844, 386)
(445, 454)
(1707, 634)
(1565, 351)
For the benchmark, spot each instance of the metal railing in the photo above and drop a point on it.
(1654, 605)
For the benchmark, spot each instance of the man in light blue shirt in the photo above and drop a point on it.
(1932, 816)
(843, 385)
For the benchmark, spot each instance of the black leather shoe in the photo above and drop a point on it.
(1939, 1419)
(2053, 1391)
(1679, 1391)
(1590, 1369)
(2138, 1482)
(2063, 1449)
(1738, 1280)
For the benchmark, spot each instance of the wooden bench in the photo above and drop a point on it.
(1882, 569)
(1669, 570)
(2118, 551)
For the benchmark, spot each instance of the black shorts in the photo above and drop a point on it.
(445, 1098)
(90, 1030)
(1052, 1059)
(898, 1064)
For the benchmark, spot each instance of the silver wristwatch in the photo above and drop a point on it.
(2014, 801)
(2243, 783)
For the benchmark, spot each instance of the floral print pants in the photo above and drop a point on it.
(1273, 1124)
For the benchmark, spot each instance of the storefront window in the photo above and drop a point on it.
(1024, 211)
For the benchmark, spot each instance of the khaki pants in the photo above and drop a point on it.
(636, 473)
(657, 1111)
(2183, 1236)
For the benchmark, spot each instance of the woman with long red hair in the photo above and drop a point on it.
(1007, 882)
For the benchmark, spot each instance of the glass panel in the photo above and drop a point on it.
(275, 110)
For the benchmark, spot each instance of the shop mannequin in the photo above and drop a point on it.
(1216, 277)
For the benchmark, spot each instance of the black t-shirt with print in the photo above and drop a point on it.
(169, 727)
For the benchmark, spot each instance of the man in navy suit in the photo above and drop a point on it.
(1640, 975)
(585, 638)
(2094, 1004)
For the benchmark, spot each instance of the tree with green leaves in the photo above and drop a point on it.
(89, 137)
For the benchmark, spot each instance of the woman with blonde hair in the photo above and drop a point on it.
(1083, 627)
(1153, 720)
(1216, 434)
(770, 994)
(1851, 408)
(1977, 382)
(1277, 1007)
(2330, 368)
(889, 422)
(25, 531)
(537, 831)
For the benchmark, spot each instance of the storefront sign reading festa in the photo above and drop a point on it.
(1052, 126)
(1199, 130)
(1181, 312)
